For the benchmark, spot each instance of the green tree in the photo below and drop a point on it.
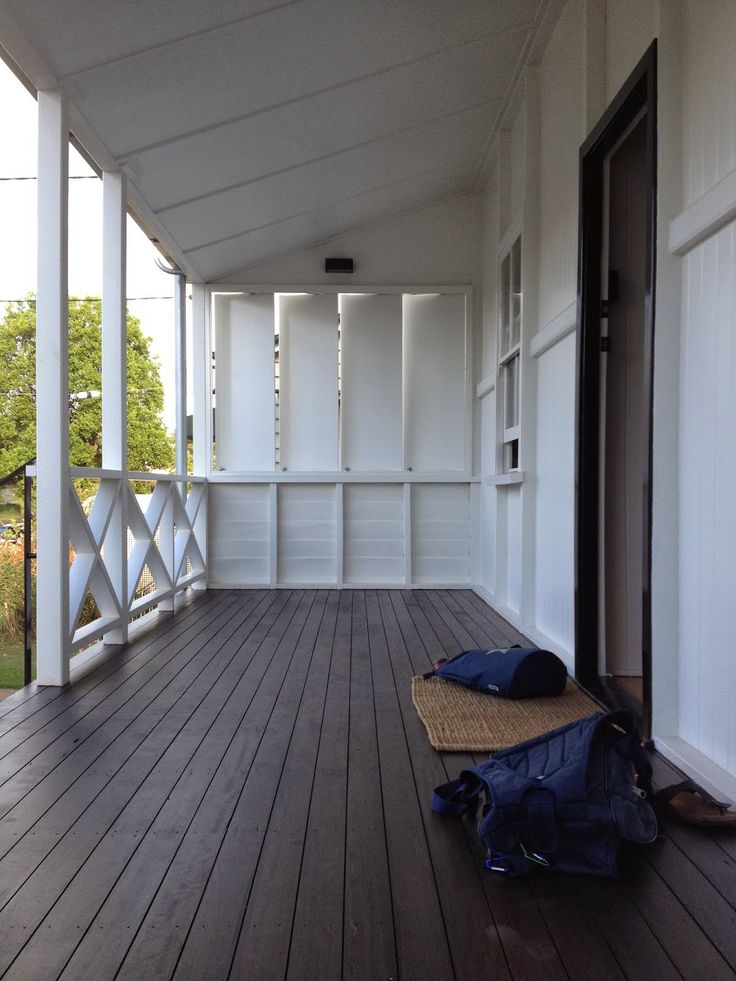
(149, 445)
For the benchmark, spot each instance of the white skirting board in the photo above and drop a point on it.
(709, 775)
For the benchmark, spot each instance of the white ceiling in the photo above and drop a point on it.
(251, 128)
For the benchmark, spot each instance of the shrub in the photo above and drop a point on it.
(11, 590)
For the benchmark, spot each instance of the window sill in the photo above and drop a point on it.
(505, 479)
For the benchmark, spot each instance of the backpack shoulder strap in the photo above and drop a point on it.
(458, 796)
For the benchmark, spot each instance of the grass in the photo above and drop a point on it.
(11, 664)
(9, 512)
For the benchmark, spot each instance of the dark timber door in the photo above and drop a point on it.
(623, 411)
(613, 519)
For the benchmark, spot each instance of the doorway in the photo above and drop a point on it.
(615, 334)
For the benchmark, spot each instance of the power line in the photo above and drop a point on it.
(72, 177)
(95, 299)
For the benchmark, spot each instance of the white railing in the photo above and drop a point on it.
(115, 541)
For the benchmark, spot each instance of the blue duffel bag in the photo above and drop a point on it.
(513, 672)
(563, 801)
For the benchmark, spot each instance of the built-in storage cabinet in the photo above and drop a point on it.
(239, 534)
(374, 534)
(306, 529)
(356, 382)
(440, 532)
(345, 533)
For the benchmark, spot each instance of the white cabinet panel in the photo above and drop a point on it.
(239, 539)
(440, 529)
(435, 403)
(373, 516)
(307, 533)
(370, 341)
(308, 382)
(244, 345)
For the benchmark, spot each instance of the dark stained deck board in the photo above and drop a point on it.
(368, 934)
(162, 879)
(92, 756)
(34, 735)
(316, 949)
(64, 888)
(26, 701)
(244, 791)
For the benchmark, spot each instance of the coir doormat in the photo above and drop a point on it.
(458, 719)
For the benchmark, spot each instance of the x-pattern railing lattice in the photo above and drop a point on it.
(165, 541)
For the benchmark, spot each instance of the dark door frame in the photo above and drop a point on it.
(639, 91)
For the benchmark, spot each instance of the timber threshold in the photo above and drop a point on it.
(244, 793)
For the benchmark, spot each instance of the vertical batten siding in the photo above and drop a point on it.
(517, 167)
(707, 479)
(555, 493)
(512, 598)
(709, 94)
(630, 27)
(562, 132)
(487, 503)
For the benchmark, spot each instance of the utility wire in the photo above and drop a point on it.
(95, 299)
(72, 177)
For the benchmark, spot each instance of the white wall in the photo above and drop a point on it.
(709, 94)
(592, 50)
(707, 481)
(436, 245)
(555, 501)
(562, 132)
(630, 27)
(701, 734)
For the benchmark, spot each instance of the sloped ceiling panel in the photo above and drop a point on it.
(250, 126)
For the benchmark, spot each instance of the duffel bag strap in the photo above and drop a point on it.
(458, 796)
(541, 820)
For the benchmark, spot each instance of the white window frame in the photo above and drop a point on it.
(509, 336)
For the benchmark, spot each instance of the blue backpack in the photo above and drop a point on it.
(513, 672)
(563, 801)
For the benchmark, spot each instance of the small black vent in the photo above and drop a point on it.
(338, 265)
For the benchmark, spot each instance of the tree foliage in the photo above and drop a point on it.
(150, 447)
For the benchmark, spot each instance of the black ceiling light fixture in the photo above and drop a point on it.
(339, 265)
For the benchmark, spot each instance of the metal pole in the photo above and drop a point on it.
(28, 557)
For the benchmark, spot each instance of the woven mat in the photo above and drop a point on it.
(461, 720)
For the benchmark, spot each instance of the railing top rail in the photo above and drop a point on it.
(26, 467)
(97, 473)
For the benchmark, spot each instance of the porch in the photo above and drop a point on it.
(243, 791)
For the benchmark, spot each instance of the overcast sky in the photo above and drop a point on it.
(18, 233)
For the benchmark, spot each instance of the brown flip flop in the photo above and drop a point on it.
(688, 802)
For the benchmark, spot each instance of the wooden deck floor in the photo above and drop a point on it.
(244, 793)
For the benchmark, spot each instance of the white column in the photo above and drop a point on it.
(114, 383)
(180, 341)
(52, 383)
(202, 408)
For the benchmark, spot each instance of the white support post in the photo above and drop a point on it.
(408, 537)
(202, 408)
(180, 342)
(167, 546)
(52, 385)
(115, 384)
